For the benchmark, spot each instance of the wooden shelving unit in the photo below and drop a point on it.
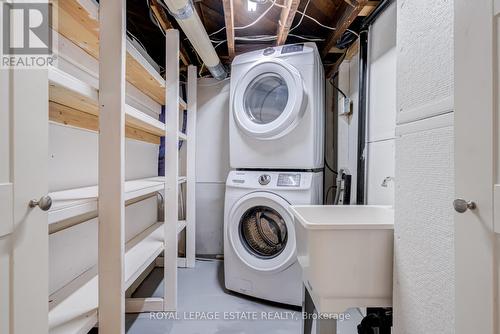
(73, 309)
(101, 104)
(78, 21)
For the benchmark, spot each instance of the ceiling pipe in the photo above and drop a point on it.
(186, 16)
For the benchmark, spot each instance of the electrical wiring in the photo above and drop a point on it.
(310, 39)
(330, 168)
(328, 192)
(257, 19)
(217, 83)
(136, 39)
(303, 14)
(302, 17)
(333, 83)
(218, 31)
(220, 43)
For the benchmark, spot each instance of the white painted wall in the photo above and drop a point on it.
(381, 118)
(212, 164)
(424, 231)
(347, 131)
(73, 163)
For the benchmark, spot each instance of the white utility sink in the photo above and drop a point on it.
(346, 255)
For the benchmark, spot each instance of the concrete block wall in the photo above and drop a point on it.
(424, 250)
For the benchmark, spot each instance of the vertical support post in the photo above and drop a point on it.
(112, 21)
(28, 173)
(172, 169)
(191, 168)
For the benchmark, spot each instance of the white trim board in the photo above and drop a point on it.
(431, 109)
(436, 122)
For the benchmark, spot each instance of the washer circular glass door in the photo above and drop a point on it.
(261, 232)
(269, 100)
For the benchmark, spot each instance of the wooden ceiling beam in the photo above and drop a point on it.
(286, 20)
(369, 8)
(229, 19)
(165, 23)
(342, 25)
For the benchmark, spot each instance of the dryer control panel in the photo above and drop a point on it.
(269, 180)
(289, 180)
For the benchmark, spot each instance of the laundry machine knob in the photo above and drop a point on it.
(268, 51)
(264, 179)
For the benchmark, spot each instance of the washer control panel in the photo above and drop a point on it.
(292, 48)
(268, 51)
(288, 180)
(270, 180)
(264, 179)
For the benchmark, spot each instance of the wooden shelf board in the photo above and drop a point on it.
(73, 309)
(75, 202)
(182, 104)
(65, 115)
(181, 226)
(77, 20)
(70, 92)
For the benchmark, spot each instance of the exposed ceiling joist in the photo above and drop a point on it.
(286, 20)
(229, 19)
(349, 54)
(342, 25)
(166, 25)
(369, 8)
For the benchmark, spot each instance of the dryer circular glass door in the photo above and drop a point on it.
(261, 232)
(269, 100)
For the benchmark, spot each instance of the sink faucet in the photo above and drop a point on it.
(386, 181)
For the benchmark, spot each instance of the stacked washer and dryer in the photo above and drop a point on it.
(276, 132)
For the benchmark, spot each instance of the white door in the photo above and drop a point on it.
(23, 177)
(269, 100)
(476, 165)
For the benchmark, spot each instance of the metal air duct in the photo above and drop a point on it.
(189, 21)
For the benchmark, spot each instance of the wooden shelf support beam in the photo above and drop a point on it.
(286, 20)
(191, 167)
(171, 195)
(111, 241)
(229, 19)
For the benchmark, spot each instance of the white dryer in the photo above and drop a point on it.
(277, 108)
(259, 236)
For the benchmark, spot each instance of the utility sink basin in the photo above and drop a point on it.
(346, 255)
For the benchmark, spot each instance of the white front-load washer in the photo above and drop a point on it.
(277, 108)
(260, 257)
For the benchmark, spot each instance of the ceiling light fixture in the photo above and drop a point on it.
(251, 5)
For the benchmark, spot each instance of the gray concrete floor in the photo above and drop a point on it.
(202, 290)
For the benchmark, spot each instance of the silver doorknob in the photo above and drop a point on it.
(462, 205)
(44, 203)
